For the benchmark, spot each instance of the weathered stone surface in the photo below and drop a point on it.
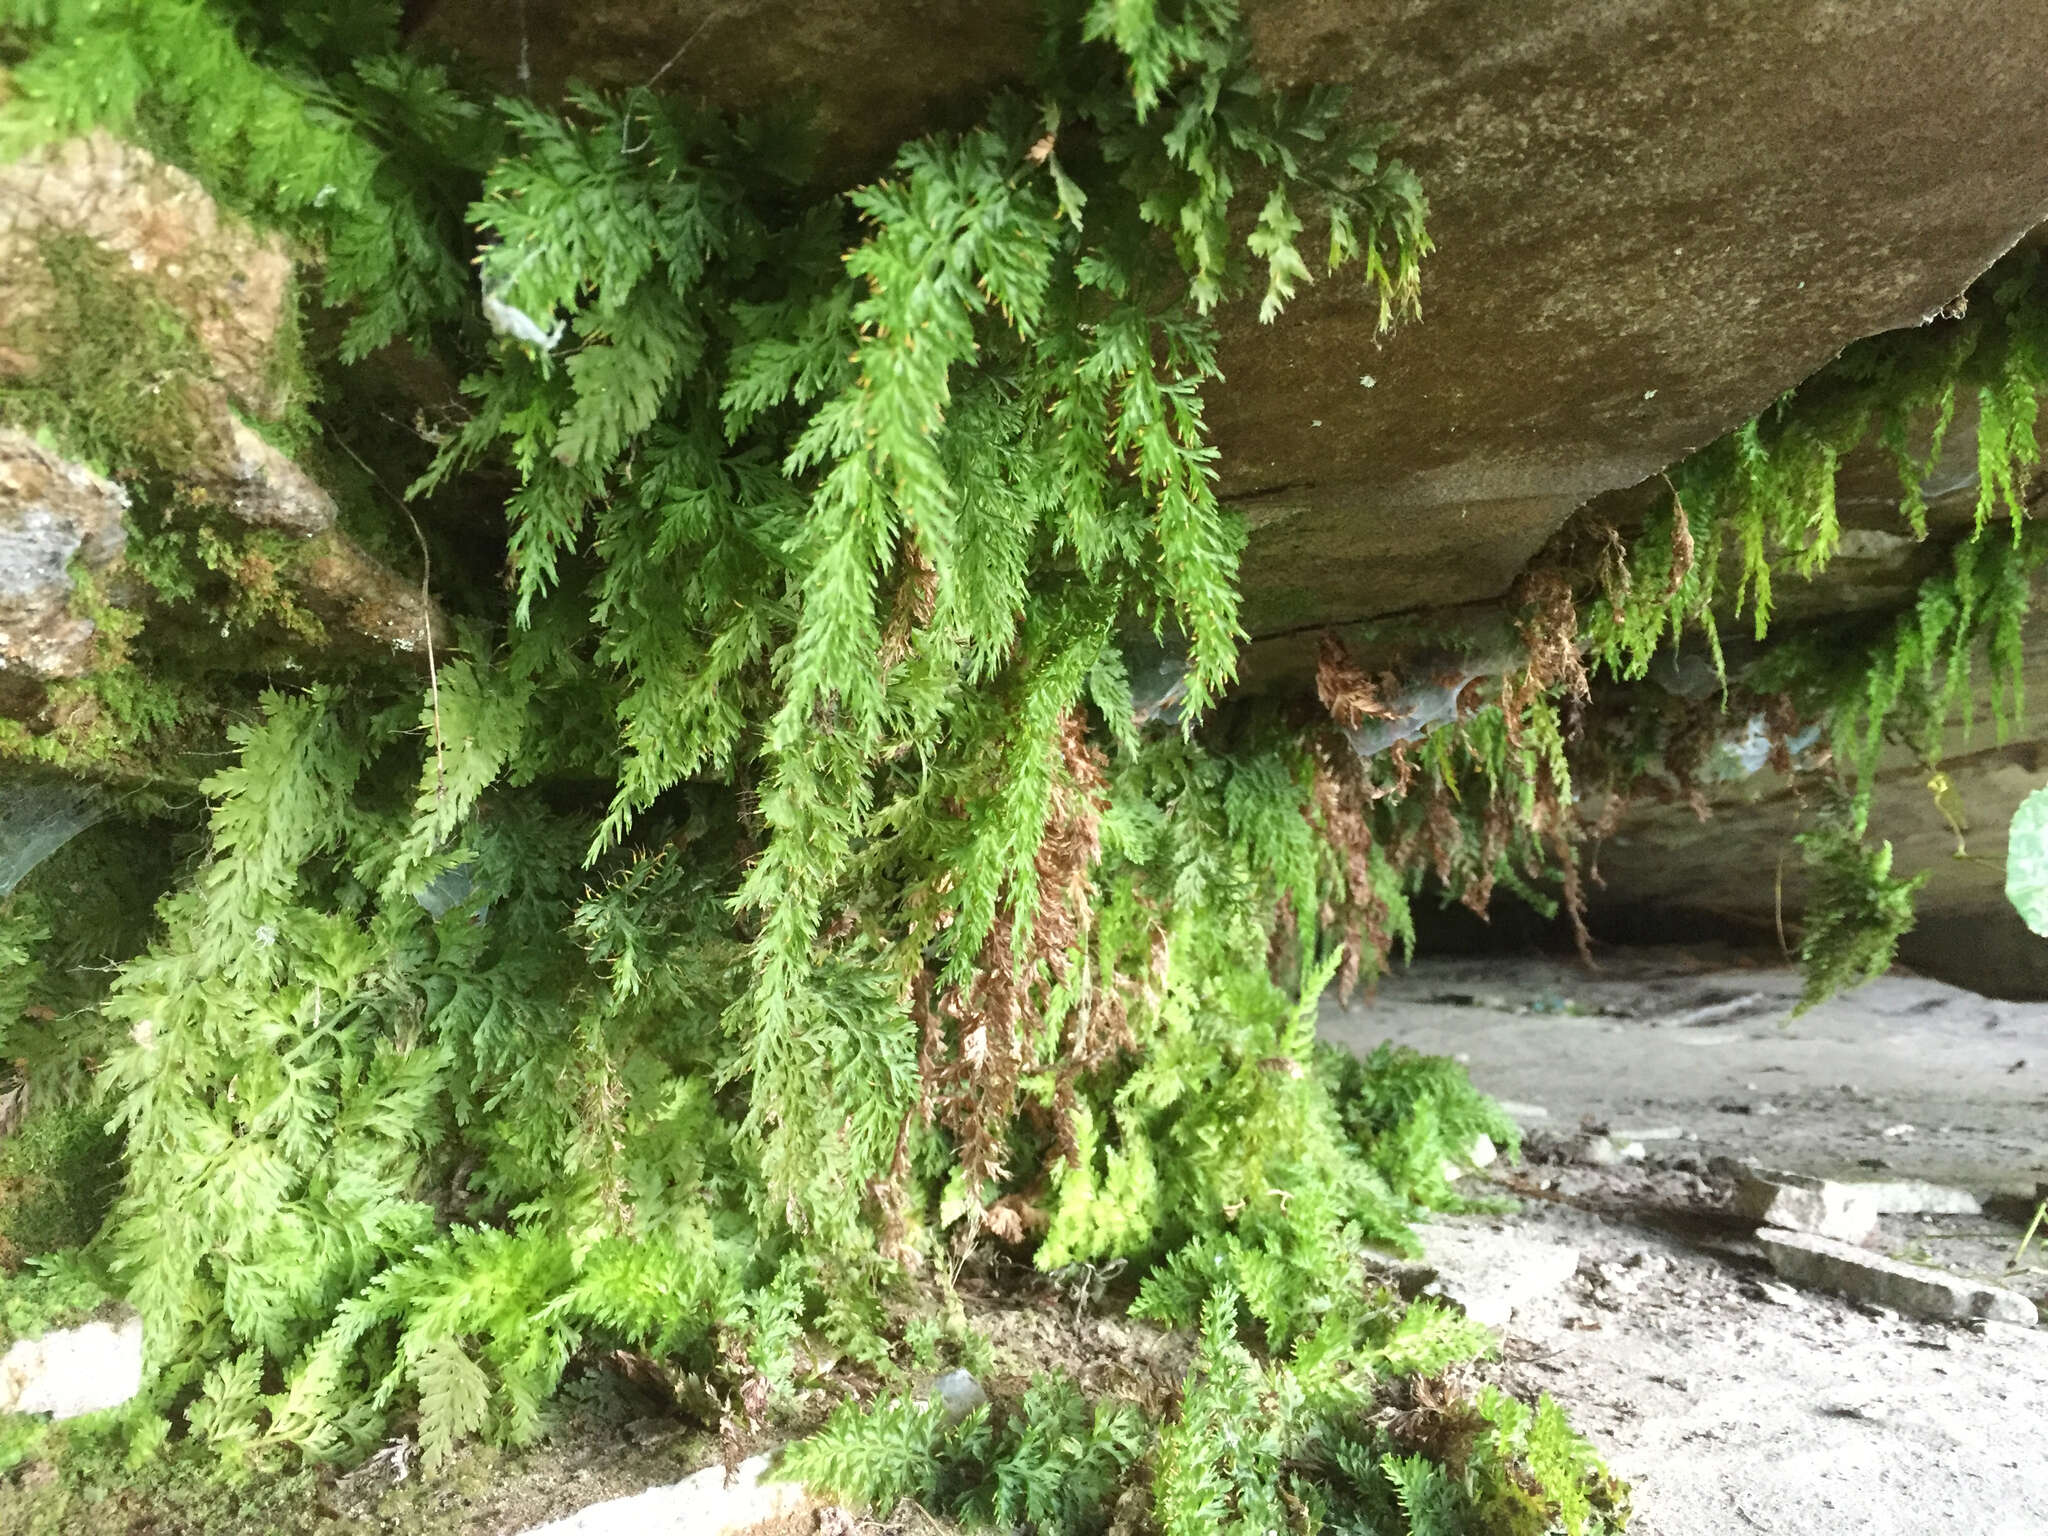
(70, 1371)
(265, 489)
(354, 594)
(1492, 1274)
(876, 74)
(707, 1503)
(1651, 218)
(233, 288)
(1825, 1264)
(52, 512)
(1772, 1198)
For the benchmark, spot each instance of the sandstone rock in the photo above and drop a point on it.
(70, 1371)
(52, 512)
(1772, 1198)
(1649, 223)
(265, 489)
(1618, 265)
(1492, 1275)
(707, 1503)
(1667, 873)
(231, 284)
(1825, 1264)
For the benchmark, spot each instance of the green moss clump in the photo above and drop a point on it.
(52, 1290)
(115, 376)
(58, 1172)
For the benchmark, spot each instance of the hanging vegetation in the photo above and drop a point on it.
(775, 894)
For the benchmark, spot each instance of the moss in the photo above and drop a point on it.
(115, 377)
(55, 1290)
(107, 1475)
(73, 918)
(121, 724)
(57, 1176)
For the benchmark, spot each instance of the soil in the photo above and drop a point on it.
(1733, 1403)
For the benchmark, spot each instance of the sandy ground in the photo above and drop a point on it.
(1730, 1402)
(1904, 1078)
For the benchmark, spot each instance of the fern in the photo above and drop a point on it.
(1050, 1459)
(454, 1395)
(1856, 909)
(1219, 1460)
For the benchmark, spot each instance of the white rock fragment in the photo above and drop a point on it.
(1598, 1152)
(70, 1371)
(1484, 1154)
(1781, 1295)
(960, 1393)
(1522, 1114)
(1772, 1198)
(1825, 1264)
(705, 1503)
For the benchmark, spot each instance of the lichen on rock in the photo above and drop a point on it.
(52, 513)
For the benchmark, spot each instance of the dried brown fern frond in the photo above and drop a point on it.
(1340, 798)
(917, 595)
(981, 1039)
(1613, 574)
(1549, 629)
(1347, 693)
(1682, 554)
(1496, 825)
(1433, 1415)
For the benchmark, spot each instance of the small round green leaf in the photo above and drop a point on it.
(2026, 861)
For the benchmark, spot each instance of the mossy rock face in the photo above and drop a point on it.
(231, 287)
(58, 1171)
(57, 519)
(153, 502)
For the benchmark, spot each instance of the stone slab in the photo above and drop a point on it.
(1773, 1198)
(1825, 1264)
